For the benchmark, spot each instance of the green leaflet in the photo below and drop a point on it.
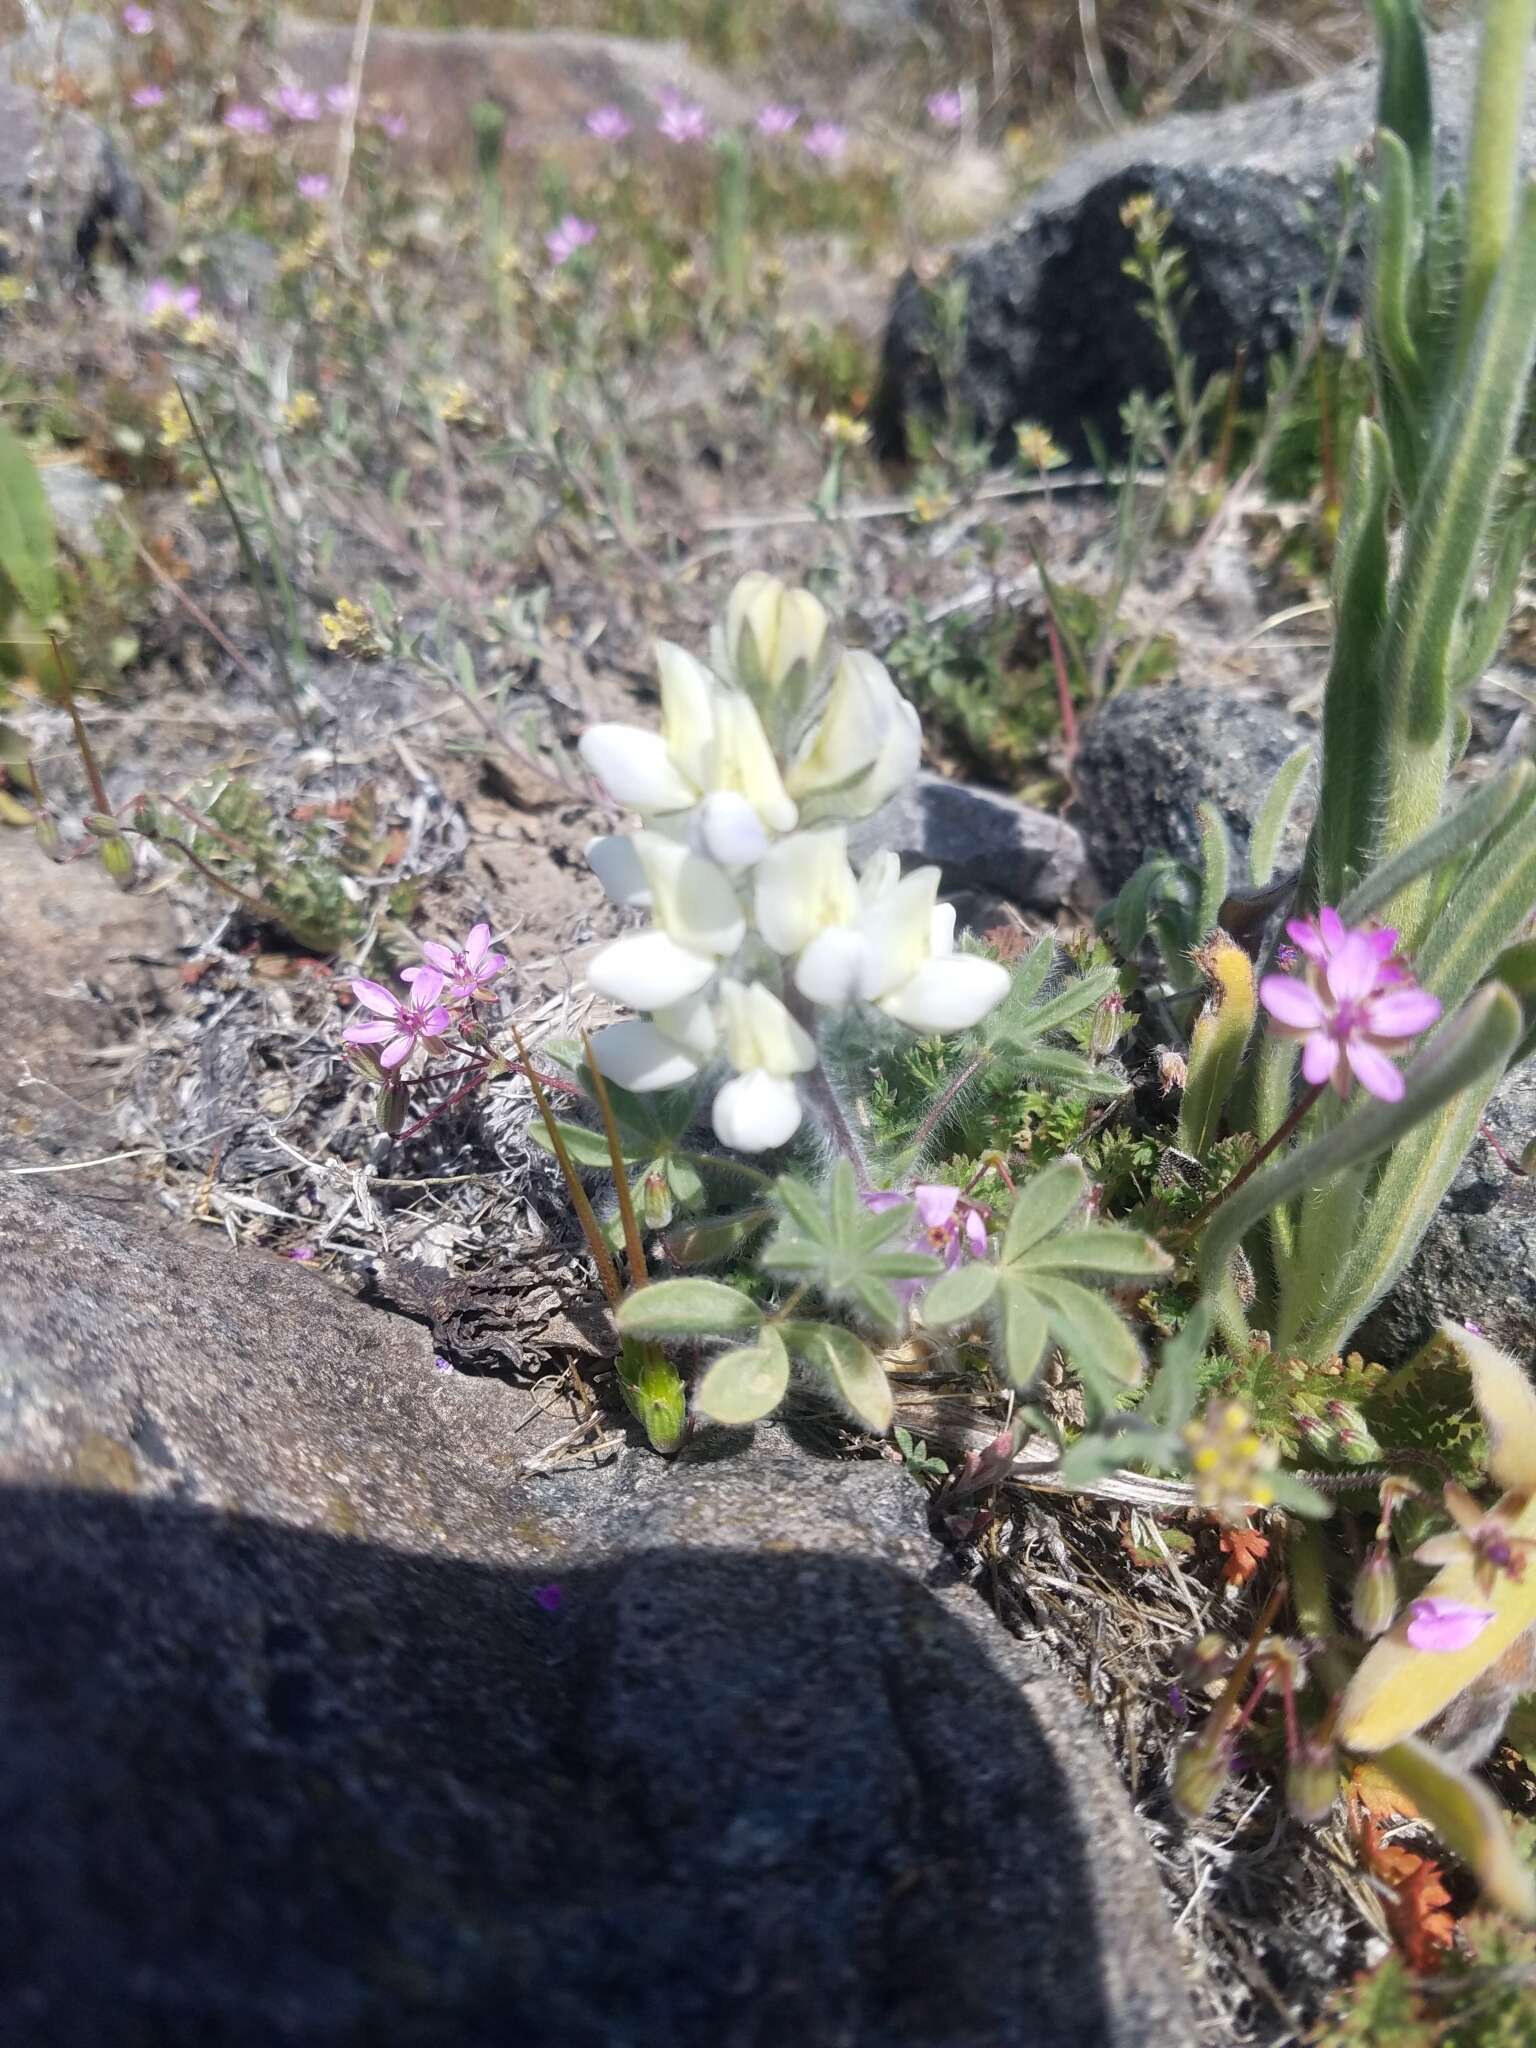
(745, 1385)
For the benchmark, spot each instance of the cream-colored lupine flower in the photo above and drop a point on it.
(899, 954)
(771, 643)
(698, 924)
(803, 887)
(760, 1107)
(865, 746)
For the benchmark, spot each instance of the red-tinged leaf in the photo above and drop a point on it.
(1245, 1551)
(1414, 1895)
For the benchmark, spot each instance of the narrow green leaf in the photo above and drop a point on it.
(1215, 867)
(849, 1369)
(1457, 833)
(1084, 1325)
(586, 1147)
(1274, 814)
(1101, 1248)
(687, 1308)
(959, 1295)
(28, 545)
(801, 1203)
(1488, 907)
(745, 1385)
(1068, 1071)
(1078, 996)
(1043, 1204)
(1023, 1331)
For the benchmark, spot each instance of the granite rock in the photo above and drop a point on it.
(324, 1722)
(986, 843)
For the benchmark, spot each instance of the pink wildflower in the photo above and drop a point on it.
(608, 124)
(295, 103)
(313, 185)
(248, 120)
(947, 1225)
(138, 21)
(946, 109)
(162, 298)
(302, 1252)
(572, 234)
(401, 1028)
(683, 121)
(776, 120)
(391, 125)
(338, 99)
(826, 141)
(1445, 1625)
(147, 95)
(1352, 1005)
(465, 972)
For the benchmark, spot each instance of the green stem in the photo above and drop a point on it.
(1493, 153)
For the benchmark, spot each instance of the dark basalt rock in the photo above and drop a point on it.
(303, 1746)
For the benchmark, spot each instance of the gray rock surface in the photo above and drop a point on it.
(1478, 1259)
(1053, 332)
(986, 843)
(1150, 756)
(63, 187)
(295, 1754)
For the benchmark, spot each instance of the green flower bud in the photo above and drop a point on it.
(1312, 1781)
(655, 1200)
(390, 1108)
(48, 839)
(1373, 1603)
(1199, 1772)
(117, 859)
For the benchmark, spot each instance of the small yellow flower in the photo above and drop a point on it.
(1230, 1462)
(295, 260)
(172, 423)
(930, 506)
(684, 276)
(380, 260)
(202, 495)
(203, 332)
(454, 403)
(1036, 448)
(350, 630)
(325, 305)
(301, 411)
(1141, 206)
(844, 431)
(12, 290)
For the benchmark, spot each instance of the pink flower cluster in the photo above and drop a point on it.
(399, 1030)
(947, 1225)
(1353, 1004)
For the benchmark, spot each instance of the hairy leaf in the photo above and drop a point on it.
(745, 1385)
(687, 1308)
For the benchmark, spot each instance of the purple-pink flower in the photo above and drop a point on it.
(313, 185)
(464, 972)
(573, 233)
(147, 95)
(946, 109)
(391, 125)
(826, 141)
(776, 120)
(947, 1225)
(1353, 1003)
(400, 1027)
(138, 21)
(161, 298)
(608, 124)
(247, 120)
(338, 99)
(683, 121)
(297, 103)
(1435, 1624)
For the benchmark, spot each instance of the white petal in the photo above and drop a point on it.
(694, 901)
(691, 1022)
(830, 968)
(616, 864)
(648, 970)
(802, 887)
(882, 871)
(760, 1032)
(634, 768)
(638, 1056)
(727, 829)
(687, 709)
(756, 1111)
(898, 759)
(741, 759)
(898, 931)
(941, 938)
(866, 745)
(948, 995)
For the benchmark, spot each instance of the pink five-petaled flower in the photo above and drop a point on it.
(1352, 1005)
(145, 96)
(247, 120)
(573, 233)
(683, 121)
(401, 1028)
(608, 124)
(296, 103)
(162, 298)
(947, 1225)
(826, 141)
(392, 125)
(138, 21)
(946, 109)
(1445, 1624)
(776, 120)
(466, 972)
(314, 185)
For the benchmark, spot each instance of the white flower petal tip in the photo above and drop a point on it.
(830, 969)
(727, 829)
(691, 1023)
(616, 864)
(635, 769)
(648, 970)
(949, 994)
(756, 1111)
(639, 1057)
(760, 1032)
(694, 901)
(803, 887)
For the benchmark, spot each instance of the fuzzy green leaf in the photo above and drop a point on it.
(849, 1369)
(1468, 1819)
(1274, 814)
(1086, 1328)
(1100, 1248)
(687, 1308)
(957, 1296)
(28, 546)
(1024, 1331)
(1044, 1203)
(1066, 1071)
(1458, 833)
(844, 1250)
(1215, 867)
(586, 1147)
(745, 1385)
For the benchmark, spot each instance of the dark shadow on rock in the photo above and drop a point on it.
(269, 1787)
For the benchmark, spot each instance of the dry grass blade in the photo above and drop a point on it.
(591, 1229)
(634, 1244)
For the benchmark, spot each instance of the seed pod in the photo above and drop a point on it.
(1199, 1773)
(1373, 1603)
(1312, 1781)
(117, 859)
(390, 1108)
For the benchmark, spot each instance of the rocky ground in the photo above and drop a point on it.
(412, 1674)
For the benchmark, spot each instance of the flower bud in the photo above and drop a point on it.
(47, 829)
(117, 859)
(1312, 1781)
(102, 825)
(1205, 1663)
(1107, 1024)
(1373, 1603)
(655, 1201)
(390, 1108)
(1199, 1772)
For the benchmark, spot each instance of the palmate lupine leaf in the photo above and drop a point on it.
(831, 1242)
(1036, 1290)
(745, 1385)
